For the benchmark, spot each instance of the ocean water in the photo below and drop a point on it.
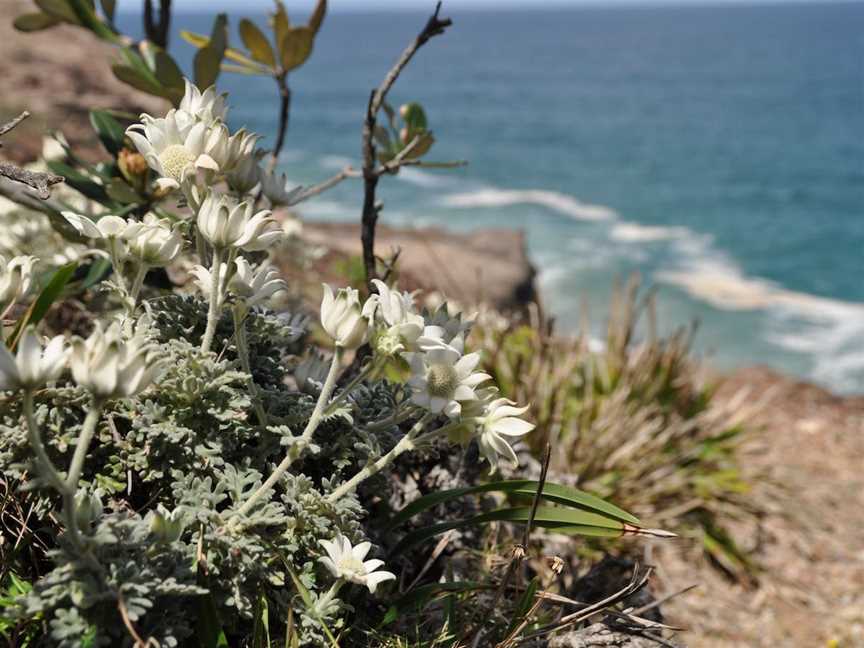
(717, 151)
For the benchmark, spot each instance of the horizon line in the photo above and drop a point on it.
(486, 6)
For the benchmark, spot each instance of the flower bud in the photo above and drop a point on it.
(16, 278)
(31, 367)
(167, 526)
(111, 366)
(254, 287)
(88, 509)
(153, 242)
(342, 317)
(227, 224)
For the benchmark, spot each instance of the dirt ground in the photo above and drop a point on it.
(811, 554)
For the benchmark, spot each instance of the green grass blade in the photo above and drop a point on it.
(557, 493)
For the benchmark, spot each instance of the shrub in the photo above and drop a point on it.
(631, 419)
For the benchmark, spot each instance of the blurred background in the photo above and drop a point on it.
(717, 149)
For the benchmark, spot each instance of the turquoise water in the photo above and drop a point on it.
(719, 152)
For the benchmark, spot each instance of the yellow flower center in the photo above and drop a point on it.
(174, 160)
(442, 380)
(350, 566)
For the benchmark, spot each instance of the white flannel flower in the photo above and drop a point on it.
(175, 149)
(225, 223)
(16, 278)
(397, 324)
(497, 421)
(230, 150)
(342, 317)
(275, 188)
(167, 526)
(245, 175)
(204, 279)
(153, 241)
(254, 286)
(345, 561)
(442, 378)
(107, 227)
(207, 106)
(109, 365)
(448, 325)
(31, 366)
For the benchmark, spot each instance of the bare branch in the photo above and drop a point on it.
(39, 181)
(284, 113)
(321, 187)
(5, 128)
(434, 26)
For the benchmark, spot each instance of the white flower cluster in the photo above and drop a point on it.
(444, 378)
(153, 241)
(191, 146)
(108, 363)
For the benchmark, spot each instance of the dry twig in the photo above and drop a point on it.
(38, 180)
(434, 27)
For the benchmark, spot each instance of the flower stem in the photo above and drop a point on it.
(243, 355)
(68, 487)
(300, 444)
(347, 389)
(50, 472)
(87, 432)
(407, 442)
(213, 311)
(137, 283)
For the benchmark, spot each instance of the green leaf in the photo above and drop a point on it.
(120, 191)
(306, 596)
(99, 269)
(86, 13)
(210, 56)
(261, 626)
(562, 520)
(32, 22)
(208, 628)
(108, 8)
(199, 41)
(109, 130)
(281, 25)
(50, 293)
(414, 116)
(79, 181)
(523, 607)
(256, 42)
(131, 76)
(206, 65)
(317, 16)
(296, 47)
(419, 597)
(423, 145)
(170, 76)
(60, 9)
(552, 492)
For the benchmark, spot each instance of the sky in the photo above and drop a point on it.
(356, 5)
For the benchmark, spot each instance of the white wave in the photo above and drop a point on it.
(559, 202)
(422, 178)
(636, 233)
(830, 332)
(334, 161)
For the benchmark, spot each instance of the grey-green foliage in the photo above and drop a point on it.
(191, 446)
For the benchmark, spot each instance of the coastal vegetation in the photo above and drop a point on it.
(208, 438)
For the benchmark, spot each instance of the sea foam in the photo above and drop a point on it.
(558, 202)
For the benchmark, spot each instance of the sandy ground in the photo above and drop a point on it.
(811, 587)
